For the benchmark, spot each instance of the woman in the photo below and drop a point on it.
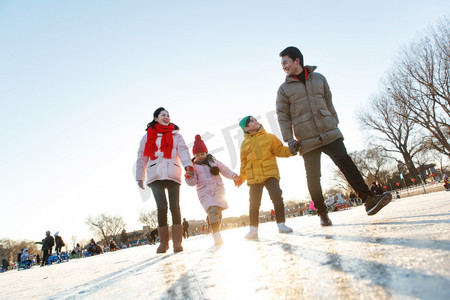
(159, 155)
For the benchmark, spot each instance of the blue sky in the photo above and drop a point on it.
(79, 81)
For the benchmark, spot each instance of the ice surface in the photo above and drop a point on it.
(403, 252)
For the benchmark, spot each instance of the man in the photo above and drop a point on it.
(185, 228)
(47, 246)
(308, 123)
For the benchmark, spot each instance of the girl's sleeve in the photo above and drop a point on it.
(141, 163)
(193, 180)
(183, 152)
(225, 171)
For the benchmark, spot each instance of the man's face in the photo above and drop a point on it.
(291, 67)
(253, 125)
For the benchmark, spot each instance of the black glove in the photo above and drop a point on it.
(294, 146)
(141, 184)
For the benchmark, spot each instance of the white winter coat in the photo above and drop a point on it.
(163, 168)
(210, 188)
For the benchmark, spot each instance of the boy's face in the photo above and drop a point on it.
(291, 67)
(253, 125)
(200, 156)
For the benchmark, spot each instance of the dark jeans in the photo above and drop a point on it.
(158, 188)
(46, 255)
(338, 154)
(273, 187)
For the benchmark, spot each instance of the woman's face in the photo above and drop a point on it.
(163, 118)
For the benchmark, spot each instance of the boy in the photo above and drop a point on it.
(259, 167)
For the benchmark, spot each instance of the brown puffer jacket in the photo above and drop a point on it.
(308, 110)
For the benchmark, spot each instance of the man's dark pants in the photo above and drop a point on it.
(338, 154)
(273, 187)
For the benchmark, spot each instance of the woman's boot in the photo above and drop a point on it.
(177, 237)
(163, 239)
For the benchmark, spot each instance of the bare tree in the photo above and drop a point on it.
(420, 84)
(392, 127)
(106, 226)
(74, 241)
(149, 218)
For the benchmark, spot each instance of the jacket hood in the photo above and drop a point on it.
(260, 131)
(310, 70)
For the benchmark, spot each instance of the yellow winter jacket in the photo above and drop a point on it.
(258, 156)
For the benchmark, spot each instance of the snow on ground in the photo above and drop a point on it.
(401, 253)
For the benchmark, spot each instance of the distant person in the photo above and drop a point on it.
(161, 152)
(308, 123)
(185, 228)
(26, 257)
(272, 215)
(47, 246)
(5, 265)
(259, 152)
(153, 235)
(19, 255)
(447, 188)
(376, 188)
(210, 188)
(59, 243)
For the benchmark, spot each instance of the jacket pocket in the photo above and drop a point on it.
(269, 169)
(328, 120)
(304, 126)
(249, 171)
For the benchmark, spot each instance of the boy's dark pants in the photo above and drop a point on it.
(273, 187)
(338, 154)
(158, 188)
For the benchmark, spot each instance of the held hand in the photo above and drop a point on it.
(141, 184)
(189, 172)
(237, 180)
(294, 146)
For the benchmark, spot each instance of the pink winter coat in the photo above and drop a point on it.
(163, 168)
(210, 188)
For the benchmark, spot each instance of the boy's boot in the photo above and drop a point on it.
(163, 239)
(177, 237)
(324, 219)
(282, 228)
(253, 233)
(217, 238)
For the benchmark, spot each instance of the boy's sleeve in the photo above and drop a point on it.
(278, 149)
(242, 174)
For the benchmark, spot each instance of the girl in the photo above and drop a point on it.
(210, 189)
(160, 152)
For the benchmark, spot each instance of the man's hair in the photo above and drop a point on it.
(293, 54)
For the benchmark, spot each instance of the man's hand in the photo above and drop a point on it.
(237, 180)
(294, 146)
(141, 184)
(189, 172)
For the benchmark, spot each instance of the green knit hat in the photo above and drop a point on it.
(243, 123)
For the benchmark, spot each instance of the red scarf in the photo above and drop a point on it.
(166, 140)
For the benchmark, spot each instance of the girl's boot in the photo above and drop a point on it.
(177, 237)
(217, 238)
(163, 239)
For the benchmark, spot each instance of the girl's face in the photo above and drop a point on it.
(163, 118)
(200, 156)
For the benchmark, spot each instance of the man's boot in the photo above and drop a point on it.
(324, 219)
(163, 239)
(177, 237)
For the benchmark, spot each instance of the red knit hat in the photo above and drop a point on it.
(199, 145)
